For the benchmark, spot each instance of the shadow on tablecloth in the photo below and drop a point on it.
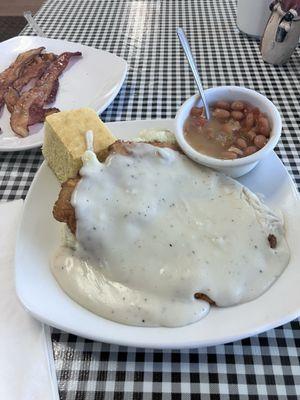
(11, 26)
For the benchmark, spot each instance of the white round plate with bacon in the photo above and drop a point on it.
(39, 76)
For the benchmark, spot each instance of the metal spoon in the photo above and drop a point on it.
(187, 50)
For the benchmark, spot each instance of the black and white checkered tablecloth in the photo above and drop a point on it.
(158, 81)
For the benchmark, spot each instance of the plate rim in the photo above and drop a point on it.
(98, 110)
(148, 344)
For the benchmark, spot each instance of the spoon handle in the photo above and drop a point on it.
(31, 21)
(187, 50)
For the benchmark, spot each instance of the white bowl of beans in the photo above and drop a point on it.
(244, 127)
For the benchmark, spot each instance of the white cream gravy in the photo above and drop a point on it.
(154, 228)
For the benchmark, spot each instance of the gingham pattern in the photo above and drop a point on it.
(10, 26)
(264, 366)
(158, 81)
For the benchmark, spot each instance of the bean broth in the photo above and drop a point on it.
(235, 130)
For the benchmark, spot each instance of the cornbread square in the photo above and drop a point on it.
(65, 141)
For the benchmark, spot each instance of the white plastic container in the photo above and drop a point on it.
(252, 16)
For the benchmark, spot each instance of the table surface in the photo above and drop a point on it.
(158, 81)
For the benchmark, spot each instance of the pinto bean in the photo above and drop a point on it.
(236, 150)
(227, 128)
(229, 155)
(260, 141)
(219, 113)
(237, 106)
(201, 121)
(250, 135)
(197, 111)
(249, 120)
(241, 143)
(224, 105)
(250, 150)
(263, 126)
(237, 115)
(256, 112)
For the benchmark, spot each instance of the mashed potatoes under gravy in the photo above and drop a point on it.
(154, 228)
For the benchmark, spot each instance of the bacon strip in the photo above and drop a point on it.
(53, 92)
(12, 73)
(11, 97)
(39, 95)
(38, 114)
(34, 70)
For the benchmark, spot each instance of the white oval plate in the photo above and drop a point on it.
(92, 80)
(39, 236)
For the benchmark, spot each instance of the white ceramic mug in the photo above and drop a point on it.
(252, 16)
